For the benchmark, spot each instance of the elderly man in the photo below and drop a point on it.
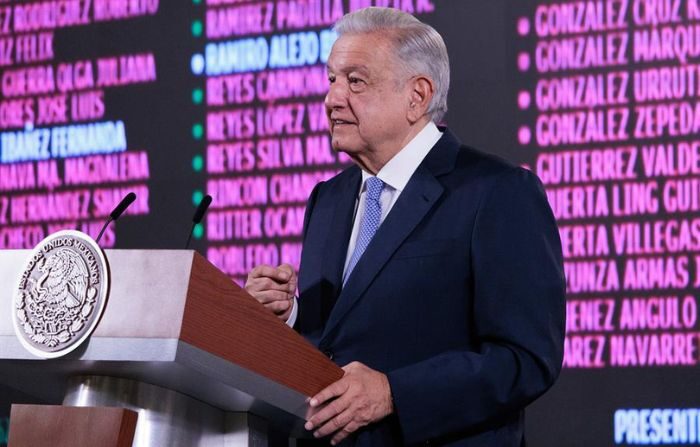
(430, 270)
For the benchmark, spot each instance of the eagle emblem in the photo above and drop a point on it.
(59, 292)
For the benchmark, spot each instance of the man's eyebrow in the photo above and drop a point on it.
(349, 69)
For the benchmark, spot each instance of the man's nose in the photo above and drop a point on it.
(336, 96)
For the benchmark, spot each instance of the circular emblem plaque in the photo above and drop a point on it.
(61, 294)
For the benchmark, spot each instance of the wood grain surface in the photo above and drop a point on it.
(58, 426)
(223, 319)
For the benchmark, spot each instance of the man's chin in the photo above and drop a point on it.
(342, 145)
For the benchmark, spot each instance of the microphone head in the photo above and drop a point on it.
(123, 205)
(201, 209)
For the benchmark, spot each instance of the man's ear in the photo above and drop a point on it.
(422, 92)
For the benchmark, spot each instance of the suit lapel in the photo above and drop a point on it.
(336, 246)
(416, 200)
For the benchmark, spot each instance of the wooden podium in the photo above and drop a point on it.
(199, 361)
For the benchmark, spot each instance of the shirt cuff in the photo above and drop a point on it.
(293, 316)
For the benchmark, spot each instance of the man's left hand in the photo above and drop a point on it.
(361, 397)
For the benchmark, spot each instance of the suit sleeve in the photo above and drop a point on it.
(309, 209)
(294, 316)
(519, 310)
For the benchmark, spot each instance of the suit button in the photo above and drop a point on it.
(329, 354)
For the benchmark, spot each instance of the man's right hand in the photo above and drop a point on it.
(274, 287)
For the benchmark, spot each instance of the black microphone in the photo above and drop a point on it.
(198, 215)
(123, 205)
(201, 209)
(116, 212)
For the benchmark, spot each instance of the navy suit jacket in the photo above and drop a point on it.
(459, 298)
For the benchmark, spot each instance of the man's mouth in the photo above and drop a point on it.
(340, 122)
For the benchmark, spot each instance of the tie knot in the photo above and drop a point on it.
(374, 188)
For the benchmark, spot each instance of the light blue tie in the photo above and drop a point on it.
(370, 222)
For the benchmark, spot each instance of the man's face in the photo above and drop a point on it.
(366, 102)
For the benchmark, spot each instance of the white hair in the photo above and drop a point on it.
(419, 48)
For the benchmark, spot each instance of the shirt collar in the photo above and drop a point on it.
(398, 171)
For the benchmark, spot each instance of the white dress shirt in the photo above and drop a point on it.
(395, 175)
